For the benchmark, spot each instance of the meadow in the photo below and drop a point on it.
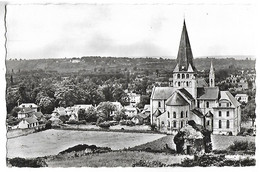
(51, 142)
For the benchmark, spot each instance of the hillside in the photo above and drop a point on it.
(115, 64)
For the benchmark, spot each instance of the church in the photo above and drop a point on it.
(191, 98)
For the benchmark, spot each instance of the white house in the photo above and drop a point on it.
(130, 111)
(28, 123)
(29, 105)
(25, 113)
(242, 98)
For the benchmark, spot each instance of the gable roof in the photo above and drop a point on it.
(176, 100)
(32, 105)
(157, 113)
(26, 110)
(162, 93)
(31, 120)
(227, 95)
(197, 112)
(186, 93)
(143, 115)
(147, 108)
(209, 114)
(201, 82)
(38, 114)
(209, 93)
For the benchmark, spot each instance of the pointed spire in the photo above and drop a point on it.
(211, 76)
(185, 57)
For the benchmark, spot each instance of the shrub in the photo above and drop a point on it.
(105, 125)
(144, 163)
(153, 127)
(242, 146)
(22, 162)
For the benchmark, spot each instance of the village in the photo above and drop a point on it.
(190, 115)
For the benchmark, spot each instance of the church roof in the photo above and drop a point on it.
(201, 82)
(176, 100)
(186, 93)
(162, 93)
(185, 57)
(208, 93)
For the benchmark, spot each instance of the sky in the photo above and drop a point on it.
(58, 31)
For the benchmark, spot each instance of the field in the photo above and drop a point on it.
(114, 159)
(51, 142)
(223, 142)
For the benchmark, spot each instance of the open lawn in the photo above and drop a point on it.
(221, 142)
(115, 159)
(51, 142)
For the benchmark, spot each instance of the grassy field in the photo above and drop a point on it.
(114, 159)
(51, 142)
(223, 142)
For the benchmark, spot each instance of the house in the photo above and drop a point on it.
(59, 111)
(29, 105)
(138, 120)
(134, 98)
(191, 98)
(130, 111)
(28, 123)
(37, 115)
(146, 109)
(25, 112)
(242, 98)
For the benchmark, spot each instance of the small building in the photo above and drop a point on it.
(242, 98)
(59, 111)
(28, 123)
(29, 105)
(130, 111)
(25, 112)
(134, 98)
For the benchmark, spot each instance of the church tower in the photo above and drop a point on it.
(184, 74)
(211, 76)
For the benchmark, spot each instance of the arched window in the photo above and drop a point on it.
(207, 104)
(179, 84)
(228, 123)
(162, 123)
(198, 104)
(183, 76)
(186, 114)
(181, 124)
(187, 83)
(219, 124)
(208, 122)
(219, 113)
(168, 114)
(174, 114)
(168, 124)
(187, 76)
(174, 124)
(159, 104)
(181, 114)
(211, 82)
(178, 76)
(227, 113)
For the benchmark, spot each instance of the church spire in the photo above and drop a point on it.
(211, 75)
(185, 57)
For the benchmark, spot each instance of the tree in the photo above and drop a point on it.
(120, 96)
(81, 114)
(119, 115)
(91, 114)
(106, 108)
(46, 104)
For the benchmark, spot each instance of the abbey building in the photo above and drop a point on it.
(191, 98)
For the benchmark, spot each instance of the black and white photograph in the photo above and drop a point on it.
(129, 84)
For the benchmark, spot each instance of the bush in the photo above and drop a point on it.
(242, 146)
(22, 162)
(144, 163)
(105, 125)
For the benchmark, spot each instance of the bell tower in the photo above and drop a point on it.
(211, 76)
(184, 74)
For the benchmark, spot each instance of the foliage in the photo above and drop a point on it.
(64, 118)
(106, 108)
(120, 115)
(105, 125)
(242, 146)
(91, 115)
(83, 147)
(22, 162)
(145, 163)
